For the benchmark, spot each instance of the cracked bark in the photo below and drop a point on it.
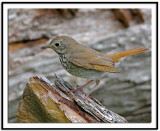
(43, 101)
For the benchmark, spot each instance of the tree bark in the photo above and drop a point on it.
(43, 101)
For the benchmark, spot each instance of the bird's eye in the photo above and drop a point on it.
(57, 44)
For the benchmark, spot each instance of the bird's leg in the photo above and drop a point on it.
(89, 82)
(97, 83)
(80, 88)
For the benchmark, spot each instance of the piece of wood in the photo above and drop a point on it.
(126, 16)
(43, 101)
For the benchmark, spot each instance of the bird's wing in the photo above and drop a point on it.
(92, 60)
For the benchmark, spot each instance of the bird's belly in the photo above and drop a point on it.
(80, 71)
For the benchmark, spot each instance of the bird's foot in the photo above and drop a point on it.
(79, 88)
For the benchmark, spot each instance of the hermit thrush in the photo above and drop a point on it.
(82, 61)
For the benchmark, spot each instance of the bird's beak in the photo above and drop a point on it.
(45, 46)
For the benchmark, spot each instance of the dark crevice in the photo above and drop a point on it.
(29, 40)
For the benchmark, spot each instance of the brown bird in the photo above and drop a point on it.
(82, 61)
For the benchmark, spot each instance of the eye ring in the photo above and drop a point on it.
(57, 44)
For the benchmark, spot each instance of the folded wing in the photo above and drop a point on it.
(92, 60)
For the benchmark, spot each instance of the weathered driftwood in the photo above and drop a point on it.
(127, 15)
(43, 101)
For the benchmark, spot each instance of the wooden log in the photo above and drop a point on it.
(43, 101)
(126, 16)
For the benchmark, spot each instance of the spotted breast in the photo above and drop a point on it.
(79, 71)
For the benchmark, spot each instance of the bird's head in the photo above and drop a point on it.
(61, 44)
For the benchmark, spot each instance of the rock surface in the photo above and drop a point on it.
(128, 94)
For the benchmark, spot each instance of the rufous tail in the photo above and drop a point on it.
(117, 56)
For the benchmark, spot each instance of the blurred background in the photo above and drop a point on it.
(105, 30)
